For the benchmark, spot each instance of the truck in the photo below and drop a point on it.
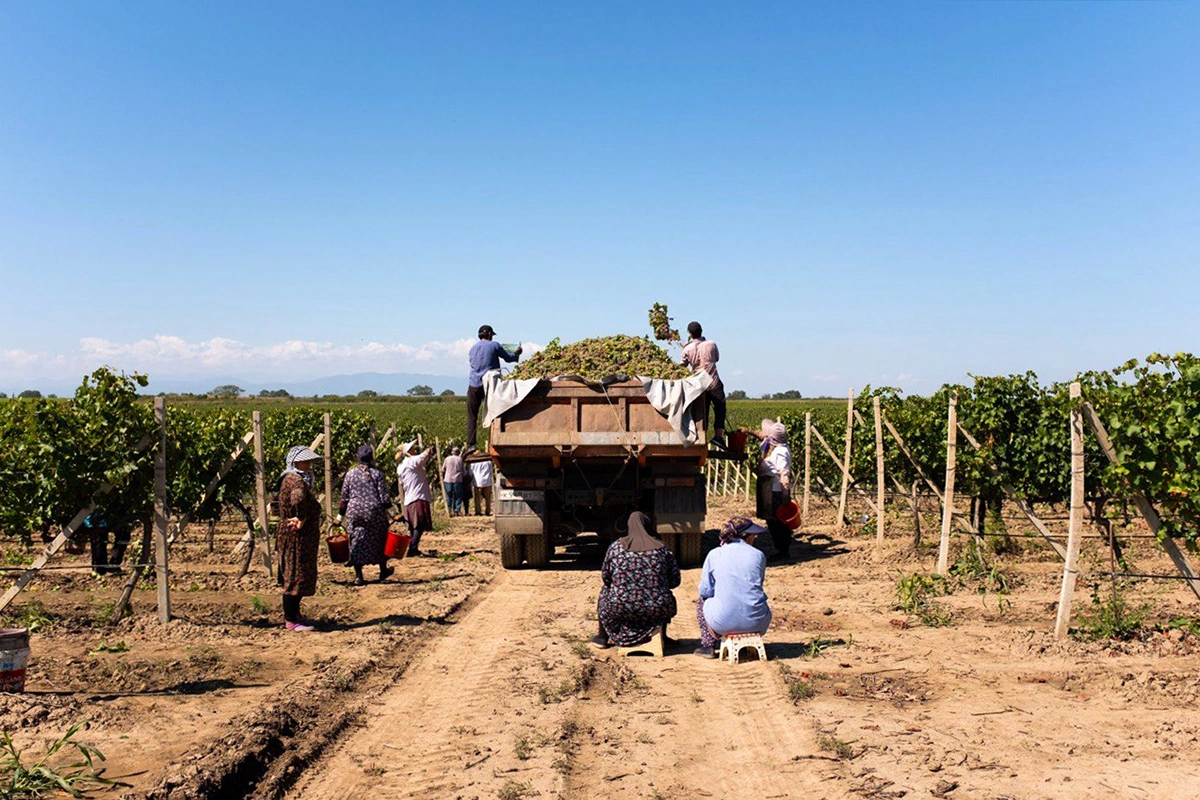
(574, 457)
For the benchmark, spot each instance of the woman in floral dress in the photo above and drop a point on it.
(639, 572)
(365, 503)
(298, 538)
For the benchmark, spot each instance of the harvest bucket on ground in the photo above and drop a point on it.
(396, 545)
(14, 658)
(339, 547)
(789, 514)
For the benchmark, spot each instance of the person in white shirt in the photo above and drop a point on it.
(777, 463)
(414, 485)
(481, 478)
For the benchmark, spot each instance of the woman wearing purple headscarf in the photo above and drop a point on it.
(365, 503)
(776, 465)
(639, 572)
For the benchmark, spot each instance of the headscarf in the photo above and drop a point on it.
(366, 454)
(774, 432)
(408, 448)
(300, 453)
(738, 528)
(639, 539)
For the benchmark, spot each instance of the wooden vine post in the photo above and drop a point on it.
(161, 569)
(879, 476)
(1071, 568)
(846, 458)
(328, 468)
(948, 499)
(807, 465)
(260, 489)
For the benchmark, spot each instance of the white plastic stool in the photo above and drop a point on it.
(733, 643)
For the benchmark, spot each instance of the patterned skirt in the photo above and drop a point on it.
(367, 537)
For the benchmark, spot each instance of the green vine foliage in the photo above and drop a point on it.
(56, 454)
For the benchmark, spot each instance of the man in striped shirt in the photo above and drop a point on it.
(701, 354)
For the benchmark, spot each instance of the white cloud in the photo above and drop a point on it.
(295, 359)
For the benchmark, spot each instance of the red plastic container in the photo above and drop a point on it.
(396, 545)
(789, 514)
(737, 442)
(339, 547)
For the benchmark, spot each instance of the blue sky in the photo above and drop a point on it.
(843, 193)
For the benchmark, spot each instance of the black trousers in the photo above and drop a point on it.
(716, 398)
(291, 607)
(474, 401)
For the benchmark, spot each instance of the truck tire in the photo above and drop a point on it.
(538, 549)
(512, 550)
(689, 549)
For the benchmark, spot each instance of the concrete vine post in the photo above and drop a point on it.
(1071, 568)
(807, 465)
(948, 498)
(260, 490)
(161, 570)
(879, 476)
(846, 459)
(328, 469)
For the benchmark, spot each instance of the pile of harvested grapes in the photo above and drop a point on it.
(594, 359)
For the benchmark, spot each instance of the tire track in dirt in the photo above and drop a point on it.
(703, 728)
(434, 733)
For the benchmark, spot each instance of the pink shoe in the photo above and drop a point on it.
(298, 626)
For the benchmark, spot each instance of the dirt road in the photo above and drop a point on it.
(514, 701)
(511, 702)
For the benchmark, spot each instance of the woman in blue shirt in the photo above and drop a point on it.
(732, 599)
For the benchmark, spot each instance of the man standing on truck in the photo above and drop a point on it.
(701, 354)
(485, 356)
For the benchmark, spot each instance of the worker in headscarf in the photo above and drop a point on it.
(365, 503)
(298, 538)
(638, 572)
(732, 599)
(414, 485)
(776, 465)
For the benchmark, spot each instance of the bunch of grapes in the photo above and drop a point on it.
(660, 323)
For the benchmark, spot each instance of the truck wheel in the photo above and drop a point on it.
(538, 550)
(512, 550)
(689, 549)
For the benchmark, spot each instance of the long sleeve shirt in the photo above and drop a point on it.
(731, 585)
(776, 462)
(452, 469)
(413, 480)
(485, 356)
(701, 354)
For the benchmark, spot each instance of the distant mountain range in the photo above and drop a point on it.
(381, 382)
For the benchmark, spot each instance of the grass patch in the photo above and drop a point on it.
(522, 749)
(1111, 617)
(839, 747)
(41, 778)
(258, 605)
(512, 790)
(799, 686)
(914, 596)
(105, 647)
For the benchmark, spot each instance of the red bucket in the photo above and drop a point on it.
(789, 514)
(339, 547)
(396, 545)
(737, 442)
